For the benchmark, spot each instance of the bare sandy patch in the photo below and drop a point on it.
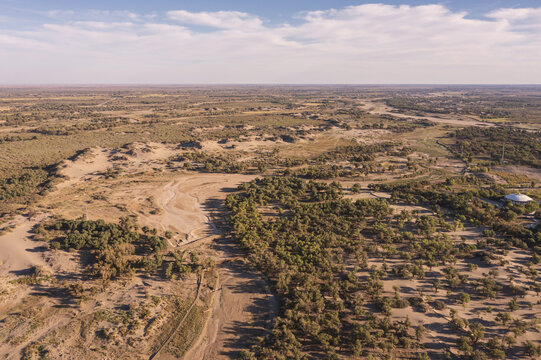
(18, 252)
(249, 144)
(520, 170)
(363, 136)
(379, 108)
(88, 163)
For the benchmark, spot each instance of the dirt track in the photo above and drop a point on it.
(243, 305)
(242, 311)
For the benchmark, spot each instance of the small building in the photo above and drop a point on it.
(518, 199)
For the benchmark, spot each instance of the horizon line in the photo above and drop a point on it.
(22, 85)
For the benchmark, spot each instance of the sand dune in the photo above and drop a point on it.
(18, 253)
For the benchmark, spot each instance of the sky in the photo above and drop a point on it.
(270, 42)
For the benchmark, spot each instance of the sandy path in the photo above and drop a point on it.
(171, 335)
(242, 311)
(242, 304)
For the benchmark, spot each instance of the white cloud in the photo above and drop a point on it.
(60, 13)
(516, 14)
(527, 19)
(372, 43)
(91, 14)
(218, 19)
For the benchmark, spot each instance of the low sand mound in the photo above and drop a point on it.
(140, 157)
(141, 152)
(363, 136)
(94, 162)
(247, 144)
(18, 253)
(90, 162)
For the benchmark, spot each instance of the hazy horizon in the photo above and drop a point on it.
(180, 85)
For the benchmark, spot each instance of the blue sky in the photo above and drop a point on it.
(247, 41)
(274, 11)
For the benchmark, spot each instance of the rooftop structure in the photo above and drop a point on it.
(519, 199)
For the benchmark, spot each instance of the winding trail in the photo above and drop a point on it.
(166, 342)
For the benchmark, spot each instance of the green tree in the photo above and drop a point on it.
(464, 298)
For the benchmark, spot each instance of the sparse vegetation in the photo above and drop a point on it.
(378, 224)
